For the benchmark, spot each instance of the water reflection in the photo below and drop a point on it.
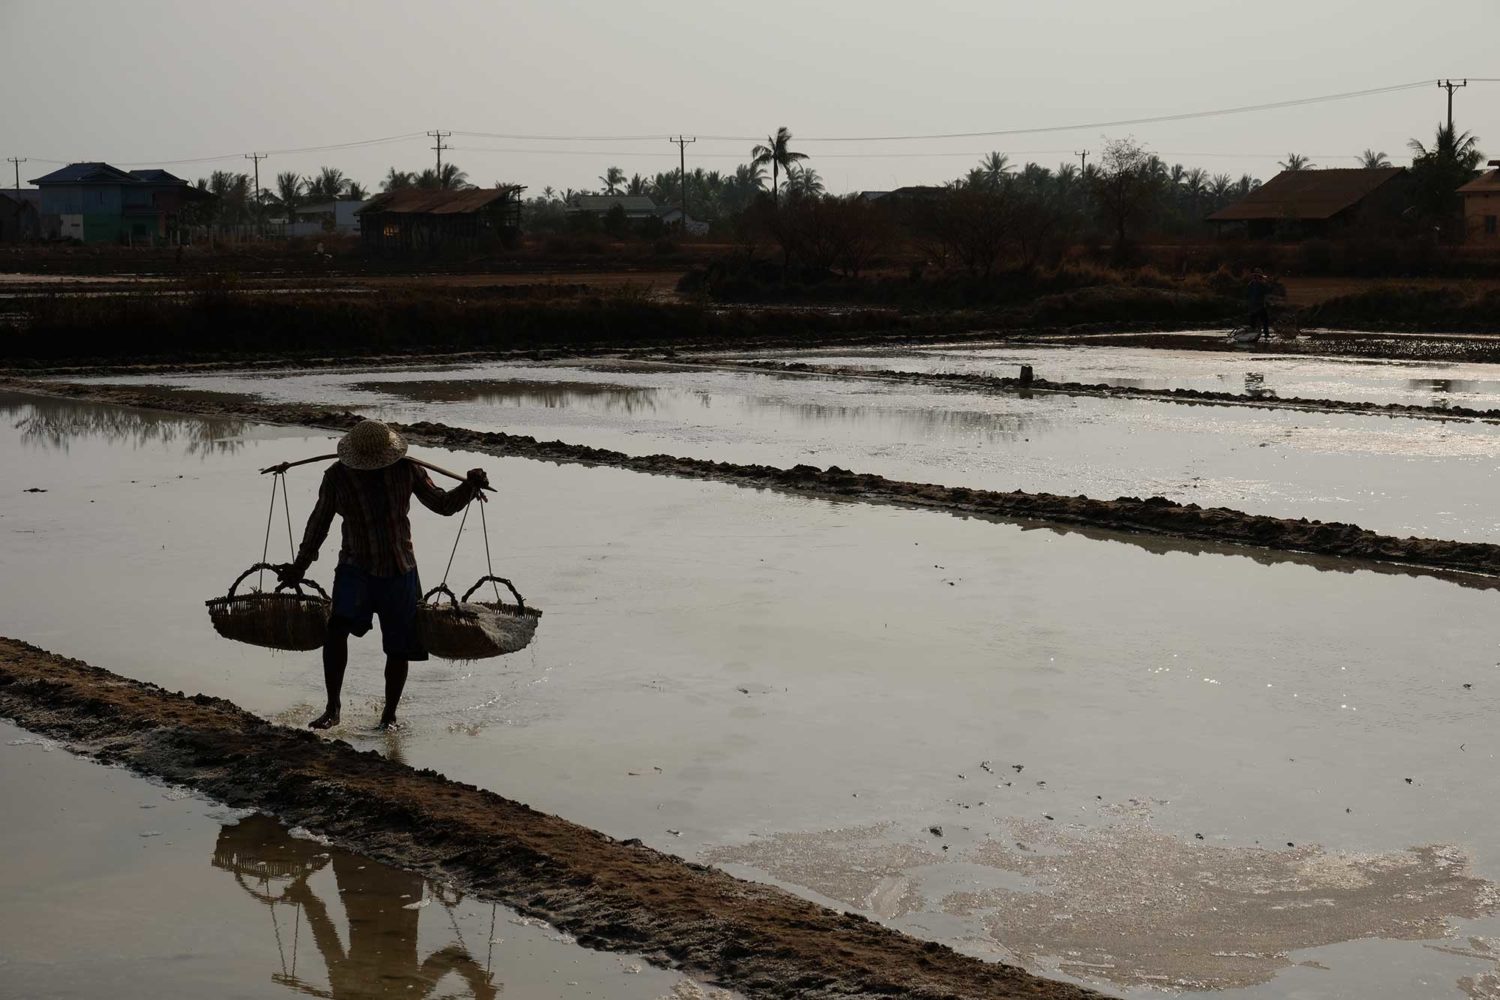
(599, 397)
(54, 424)
(908, 423)
(382, 908)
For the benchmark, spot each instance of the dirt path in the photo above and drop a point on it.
(611, 895)
(1134, 515)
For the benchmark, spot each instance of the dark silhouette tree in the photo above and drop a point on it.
(397, 180)
(1295, 161)
(778, 153)
(612, 179)
(1371, 160)
(289, 192)
(1438, 172)
(1126, 188)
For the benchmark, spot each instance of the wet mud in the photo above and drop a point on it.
(612, 895)
(997, 383)
(1130, 515)
(1204, 915)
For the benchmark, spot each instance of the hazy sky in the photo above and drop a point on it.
(148, 82)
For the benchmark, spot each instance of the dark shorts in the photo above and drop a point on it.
(358, 597)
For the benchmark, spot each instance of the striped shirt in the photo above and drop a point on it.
(374, 506)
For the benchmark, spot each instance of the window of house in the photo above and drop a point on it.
(1490, 225)
(392, 230)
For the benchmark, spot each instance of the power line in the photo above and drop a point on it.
(991, 133)
(988, 134)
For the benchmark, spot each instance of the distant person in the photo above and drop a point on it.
(1258, 292)
(370, 487)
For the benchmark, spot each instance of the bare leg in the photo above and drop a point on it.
(395, 683)
(335, 659)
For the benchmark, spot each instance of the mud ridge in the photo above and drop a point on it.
(1134, 515)
(1002, 383)
(611, 895)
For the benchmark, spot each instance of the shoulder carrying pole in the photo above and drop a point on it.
(324, 458)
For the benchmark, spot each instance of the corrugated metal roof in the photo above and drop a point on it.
(1307, 194)
(1483, 184)
(415, 201)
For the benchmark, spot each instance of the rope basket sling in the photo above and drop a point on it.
(475, 630)
(293, 621)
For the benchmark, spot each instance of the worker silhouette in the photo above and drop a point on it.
(382, 958)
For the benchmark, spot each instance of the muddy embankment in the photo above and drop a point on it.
(611, 895)
(1156, 516)
(1011, 384)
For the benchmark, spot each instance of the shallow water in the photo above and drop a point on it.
(116, 886)
(721, 668)
(1402, 476)
(1416, 383)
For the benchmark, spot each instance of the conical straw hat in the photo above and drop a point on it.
(371, 445)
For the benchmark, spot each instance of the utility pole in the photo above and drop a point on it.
(1083, 162)
(439, 135)
(17, 161)
(1450, 87)
(682, 144)
(259, 206)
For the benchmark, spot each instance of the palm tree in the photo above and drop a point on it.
(750, 175)
(450, 178)
(778, 153)
(288, 192)
(803, 182)
(549, 193)
(612, 179)
(1295, 161)
(1439, 171)
(328, 185)
(1461, 148)
(397, 180)
(1372, 160)
(637, 185)
(355, 191)
(995, 166)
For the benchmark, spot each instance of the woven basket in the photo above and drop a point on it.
(475, 630)
(276, 620)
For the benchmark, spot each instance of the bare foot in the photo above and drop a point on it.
(327, 720)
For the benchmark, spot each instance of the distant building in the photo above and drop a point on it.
(916, 193)
(637, 207)
(1482, 207)
(98, 203)
(416, 220)
(1302, 203)
(327, 217)
(672, 218)
(20, 215)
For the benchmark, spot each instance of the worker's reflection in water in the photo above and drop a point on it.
(382, 956)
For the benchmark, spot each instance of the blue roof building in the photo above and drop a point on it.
(98, 203)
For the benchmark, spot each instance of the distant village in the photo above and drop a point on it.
(1126, 193)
